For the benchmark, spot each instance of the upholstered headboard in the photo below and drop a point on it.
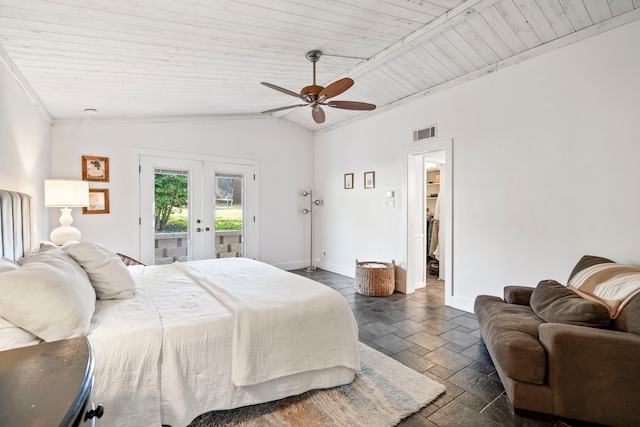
(15, 224)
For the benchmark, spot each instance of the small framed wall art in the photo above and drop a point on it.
(369, 180)
(98, 201)
(95, 168)
(348, 181)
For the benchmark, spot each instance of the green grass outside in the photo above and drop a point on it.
(178, 222)
(227, 218)
(228, 224)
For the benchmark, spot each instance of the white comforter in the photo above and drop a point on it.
(217, 334)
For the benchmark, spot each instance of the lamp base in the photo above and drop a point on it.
(64, 234)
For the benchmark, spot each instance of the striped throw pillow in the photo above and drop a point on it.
(606, 282)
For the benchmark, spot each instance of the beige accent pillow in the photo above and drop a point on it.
(110, 278)
(49, 295)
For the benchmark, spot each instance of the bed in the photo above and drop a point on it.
(172, 342)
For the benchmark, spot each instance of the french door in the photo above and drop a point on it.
(194, 209)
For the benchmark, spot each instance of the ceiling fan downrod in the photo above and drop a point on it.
(314, 56)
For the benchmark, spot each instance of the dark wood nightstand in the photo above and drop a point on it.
(47, 384)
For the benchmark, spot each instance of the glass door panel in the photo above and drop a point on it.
(229, 215)
(171, 216)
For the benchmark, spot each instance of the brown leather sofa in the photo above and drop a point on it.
(559, 367)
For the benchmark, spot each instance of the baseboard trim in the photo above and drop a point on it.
(291, 265)
(459, 303)
(339, 269)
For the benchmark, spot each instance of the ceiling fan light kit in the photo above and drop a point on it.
(316, 96)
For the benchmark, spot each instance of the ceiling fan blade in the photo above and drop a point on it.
(336, 88)
(281, 89)
(318, 114)
(351, 105)
(283, 108)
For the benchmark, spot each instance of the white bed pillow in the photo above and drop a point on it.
(109, 276)
(7, 265)
(49, 295)
(12, 336)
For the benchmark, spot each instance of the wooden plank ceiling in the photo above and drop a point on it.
(150, 58)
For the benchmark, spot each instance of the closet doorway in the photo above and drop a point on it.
(435, 168)
(429, 198)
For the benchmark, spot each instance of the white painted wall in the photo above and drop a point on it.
(25, 147)
(545, 169)
(284, 152)
(357, 223)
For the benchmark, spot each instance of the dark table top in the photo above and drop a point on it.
(45, 384)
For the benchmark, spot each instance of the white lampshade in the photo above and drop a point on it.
(66, 193)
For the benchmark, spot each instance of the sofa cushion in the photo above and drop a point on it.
(514, 294)
(629, 318)
(556, 303)
(510, 332)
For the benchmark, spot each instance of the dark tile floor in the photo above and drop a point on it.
(441, 342)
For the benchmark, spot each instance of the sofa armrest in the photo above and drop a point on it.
(514, 294)
(594, 373)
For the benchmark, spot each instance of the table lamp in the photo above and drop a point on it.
(65, 194)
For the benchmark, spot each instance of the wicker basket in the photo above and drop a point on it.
(375, 278)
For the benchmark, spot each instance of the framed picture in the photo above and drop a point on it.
(98, 201)
(95, 168)
(348, 181)
(370, 179)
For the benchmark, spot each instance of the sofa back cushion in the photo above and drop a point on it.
(556, 303)
(629, 318)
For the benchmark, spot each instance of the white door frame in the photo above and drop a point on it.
(148, 166)
(253, 246)
(416, 215)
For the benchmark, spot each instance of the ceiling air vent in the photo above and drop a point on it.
(426, 133)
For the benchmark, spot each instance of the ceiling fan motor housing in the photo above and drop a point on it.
(310, 93)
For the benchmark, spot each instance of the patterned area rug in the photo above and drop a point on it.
(383, 393)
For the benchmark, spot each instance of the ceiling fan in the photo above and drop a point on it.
(317, 96)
